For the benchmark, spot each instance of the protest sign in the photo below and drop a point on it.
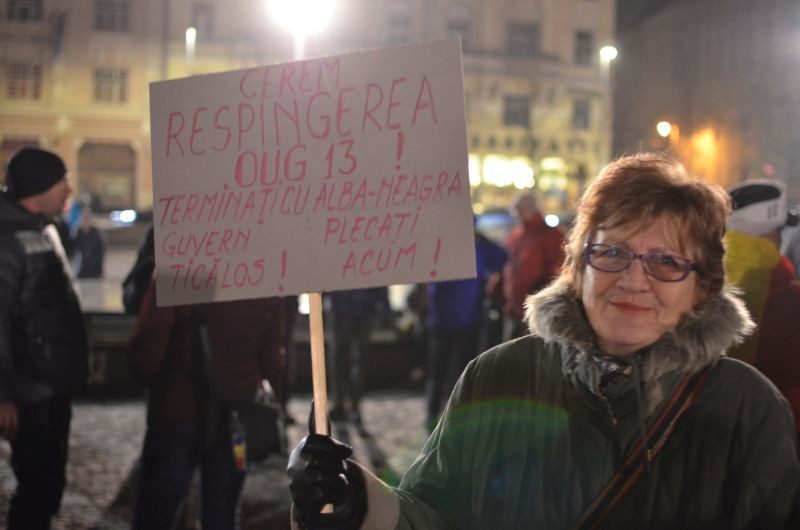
(317, 175)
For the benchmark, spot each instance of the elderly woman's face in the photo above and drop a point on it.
(631, 309)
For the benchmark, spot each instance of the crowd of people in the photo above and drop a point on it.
(647, 376)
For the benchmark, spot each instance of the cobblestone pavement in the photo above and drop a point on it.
(106, 439)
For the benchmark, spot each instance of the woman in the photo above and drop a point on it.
(626, 352)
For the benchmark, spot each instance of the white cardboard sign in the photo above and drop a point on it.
(318, 175)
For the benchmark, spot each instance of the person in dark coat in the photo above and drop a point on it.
(88, 248)
(137, 280)
(354, 312)
(199, 362)
(455, 321)
(619, 410)
(43, 342)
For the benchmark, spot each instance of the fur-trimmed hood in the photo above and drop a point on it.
(701, 338)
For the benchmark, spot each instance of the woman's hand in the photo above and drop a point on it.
(319, 475)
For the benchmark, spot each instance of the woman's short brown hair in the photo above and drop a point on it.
(634, 191)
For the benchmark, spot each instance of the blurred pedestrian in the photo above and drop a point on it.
(456, 319)
(619, 410)
(767, 279)
(43, 343)
(138, 278)
(355, 314)
(88, 248)
(535, 254)
(203, 365)
(290, 366)
(413, 326)
(74, 214)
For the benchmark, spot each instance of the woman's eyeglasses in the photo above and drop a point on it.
(662, 267)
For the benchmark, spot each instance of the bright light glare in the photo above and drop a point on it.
(123, 216)
(191, 36)
(501, 172)
(705, 142)
(474, 170)
(127, 216)
(494, 171)
(607, 54)
(302, 17)
(522, 174)
(663, 128)
(551, 220)
(303, 304)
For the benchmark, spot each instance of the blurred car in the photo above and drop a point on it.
(495, 223)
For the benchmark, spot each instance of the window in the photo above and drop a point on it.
(111, 15)
(23, 81)
(24, 10)
(581, 113)
(111, 85)
(516, 111)
(584, 48)
(203, 20)
(522, 38)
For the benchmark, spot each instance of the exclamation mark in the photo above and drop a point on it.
(436, 255)
(400, 141)
(283, 269)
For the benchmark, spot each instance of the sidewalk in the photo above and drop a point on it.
(106, 439)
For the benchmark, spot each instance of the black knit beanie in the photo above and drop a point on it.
(31, 171)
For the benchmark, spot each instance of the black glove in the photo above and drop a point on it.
(319, 475)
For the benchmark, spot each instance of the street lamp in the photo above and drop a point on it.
(663, 128)
(607, 55)
(191, 39)
(302, 18)
(672, 133)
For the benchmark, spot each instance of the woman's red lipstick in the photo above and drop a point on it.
(626, 307)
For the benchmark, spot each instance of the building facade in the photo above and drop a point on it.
(724, 74)
(75, 76)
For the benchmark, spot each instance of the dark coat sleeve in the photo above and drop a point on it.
(150, 337)
(11, 271)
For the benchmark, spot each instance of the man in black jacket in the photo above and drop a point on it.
(43, 344)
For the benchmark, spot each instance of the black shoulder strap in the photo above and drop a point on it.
(641, 456)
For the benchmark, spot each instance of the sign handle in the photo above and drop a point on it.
(318, 380)
(320, 388)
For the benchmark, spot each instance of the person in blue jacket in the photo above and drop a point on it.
(455, 319)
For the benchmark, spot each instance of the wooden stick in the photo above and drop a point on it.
(318, 363)
(320, 387)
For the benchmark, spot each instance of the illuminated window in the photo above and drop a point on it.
(24, 10)
(584, 48)
(111, 85)
(111, 15)
(522, 38)
(23, 81)
(516, 111)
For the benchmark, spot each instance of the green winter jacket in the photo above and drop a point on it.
(533, 431)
